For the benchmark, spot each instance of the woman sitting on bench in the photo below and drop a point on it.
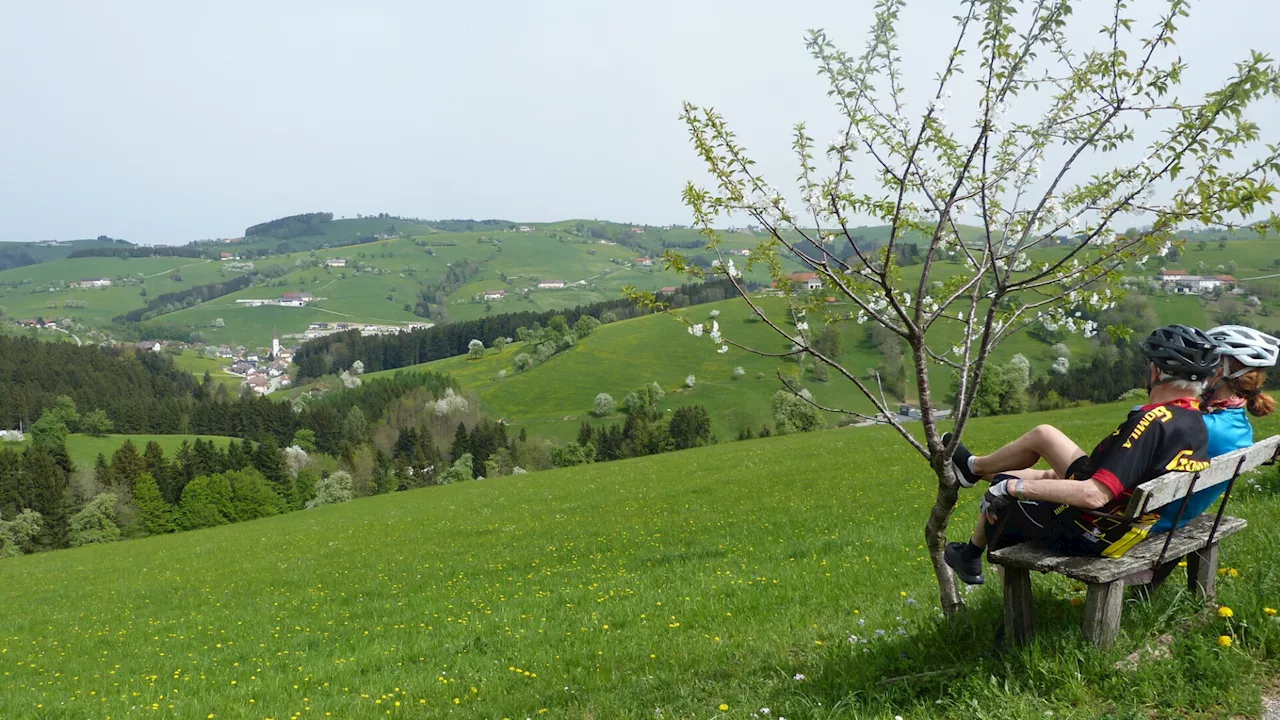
(1233, 390)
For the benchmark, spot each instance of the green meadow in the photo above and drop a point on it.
(84, 449)
(553, 398)
(785, 573)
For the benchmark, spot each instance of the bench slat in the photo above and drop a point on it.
(1104, 570)
(1172, 487)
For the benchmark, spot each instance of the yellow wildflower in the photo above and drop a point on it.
(1225, 612)
(1269, 611)
(1224, 640)
(723, 707)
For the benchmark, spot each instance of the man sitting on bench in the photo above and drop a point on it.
(1076, 506)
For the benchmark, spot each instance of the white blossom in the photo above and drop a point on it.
(1090, 328)
(696, 330)
(802, 326)
(723, 349)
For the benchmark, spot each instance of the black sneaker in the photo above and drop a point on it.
(968, 568)
(960, 461)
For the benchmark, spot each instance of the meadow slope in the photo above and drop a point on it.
(785, 573)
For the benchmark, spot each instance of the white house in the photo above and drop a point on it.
(809, 281)
(336, 262)
(494, 294)
(644, 262)
(551, 285)
(1179, 282)
(93, 282)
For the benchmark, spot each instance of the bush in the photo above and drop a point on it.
(461, 471)
(1060, 350)
(96, 522)
(792, 414)
(475, 349)
(332, 489)
(1134, 395)
(522, 362)
(604, 405)
(689, 381)
(1060, 366)
(738, 372)
(16, 533)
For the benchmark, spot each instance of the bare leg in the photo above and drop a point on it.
(979, 536)
(1043, 441)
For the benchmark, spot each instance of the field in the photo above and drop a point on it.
(553, 398)
(84, 449)
(31, 297)
(785, 573)
(198, 365)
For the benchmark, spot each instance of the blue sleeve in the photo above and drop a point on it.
(1228, 430)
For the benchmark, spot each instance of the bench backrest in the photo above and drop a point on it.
(1172, 487)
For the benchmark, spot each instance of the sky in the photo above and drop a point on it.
(163, 122)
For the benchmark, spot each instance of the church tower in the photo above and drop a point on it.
(275, 346)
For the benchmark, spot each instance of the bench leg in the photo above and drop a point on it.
(1102, 609)
(1019, 610)
(1202, 571)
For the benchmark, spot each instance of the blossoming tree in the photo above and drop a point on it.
(1021, 167)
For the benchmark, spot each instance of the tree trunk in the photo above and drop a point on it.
(935, 538)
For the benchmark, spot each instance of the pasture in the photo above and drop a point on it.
(553, 398)
(785, 573)
(84, 449)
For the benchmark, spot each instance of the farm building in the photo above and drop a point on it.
(1179, 282)
(551, 285)
(336, 262)
(93, 282)
(494, 294)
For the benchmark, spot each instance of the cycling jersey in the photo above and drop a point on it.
(1153, 440)
(1229, 429)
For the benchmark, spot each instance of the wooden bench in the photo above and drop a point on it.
(1197, 542)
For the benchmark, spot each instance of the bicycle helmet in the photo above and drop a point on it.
(1183, 352)
(1250, 348)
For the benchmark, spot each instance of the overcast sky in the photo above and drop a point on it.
(164, 122)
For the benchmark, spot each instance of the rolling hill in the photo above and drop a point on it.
(785, 573)
(553, 398)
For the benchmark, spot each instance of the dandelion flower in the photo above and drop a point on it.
(1224, 641)
(723, 707)
(1233, 572)
(1225, 612)
(1269, 611)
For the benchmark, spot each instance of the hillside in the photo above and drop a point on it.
(553, 398)
(784, 573)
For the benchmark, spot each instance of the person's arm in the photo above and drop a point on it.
(1088, 494)
(1085, 494)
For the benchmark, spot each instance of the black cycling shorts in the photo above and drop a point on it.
(1025, 521)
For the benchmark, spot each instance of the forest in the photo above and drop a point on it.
(290, 227)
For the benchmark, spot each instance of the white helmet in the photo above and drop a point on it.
(1249, 347)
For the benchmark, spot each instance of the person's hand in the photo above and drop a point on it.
(997, 498)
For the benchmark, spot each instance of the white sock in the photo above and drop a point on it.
(971, 468)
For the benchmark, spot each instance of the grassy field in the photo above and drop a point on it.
(553, 398)
(785, 573)
(198, 365)
(84, 449)
(34, 298)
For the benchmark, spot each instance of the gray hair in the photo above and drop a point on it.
(1195, 387)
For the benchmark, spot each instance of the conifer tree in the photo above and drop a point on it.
(155, 516)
